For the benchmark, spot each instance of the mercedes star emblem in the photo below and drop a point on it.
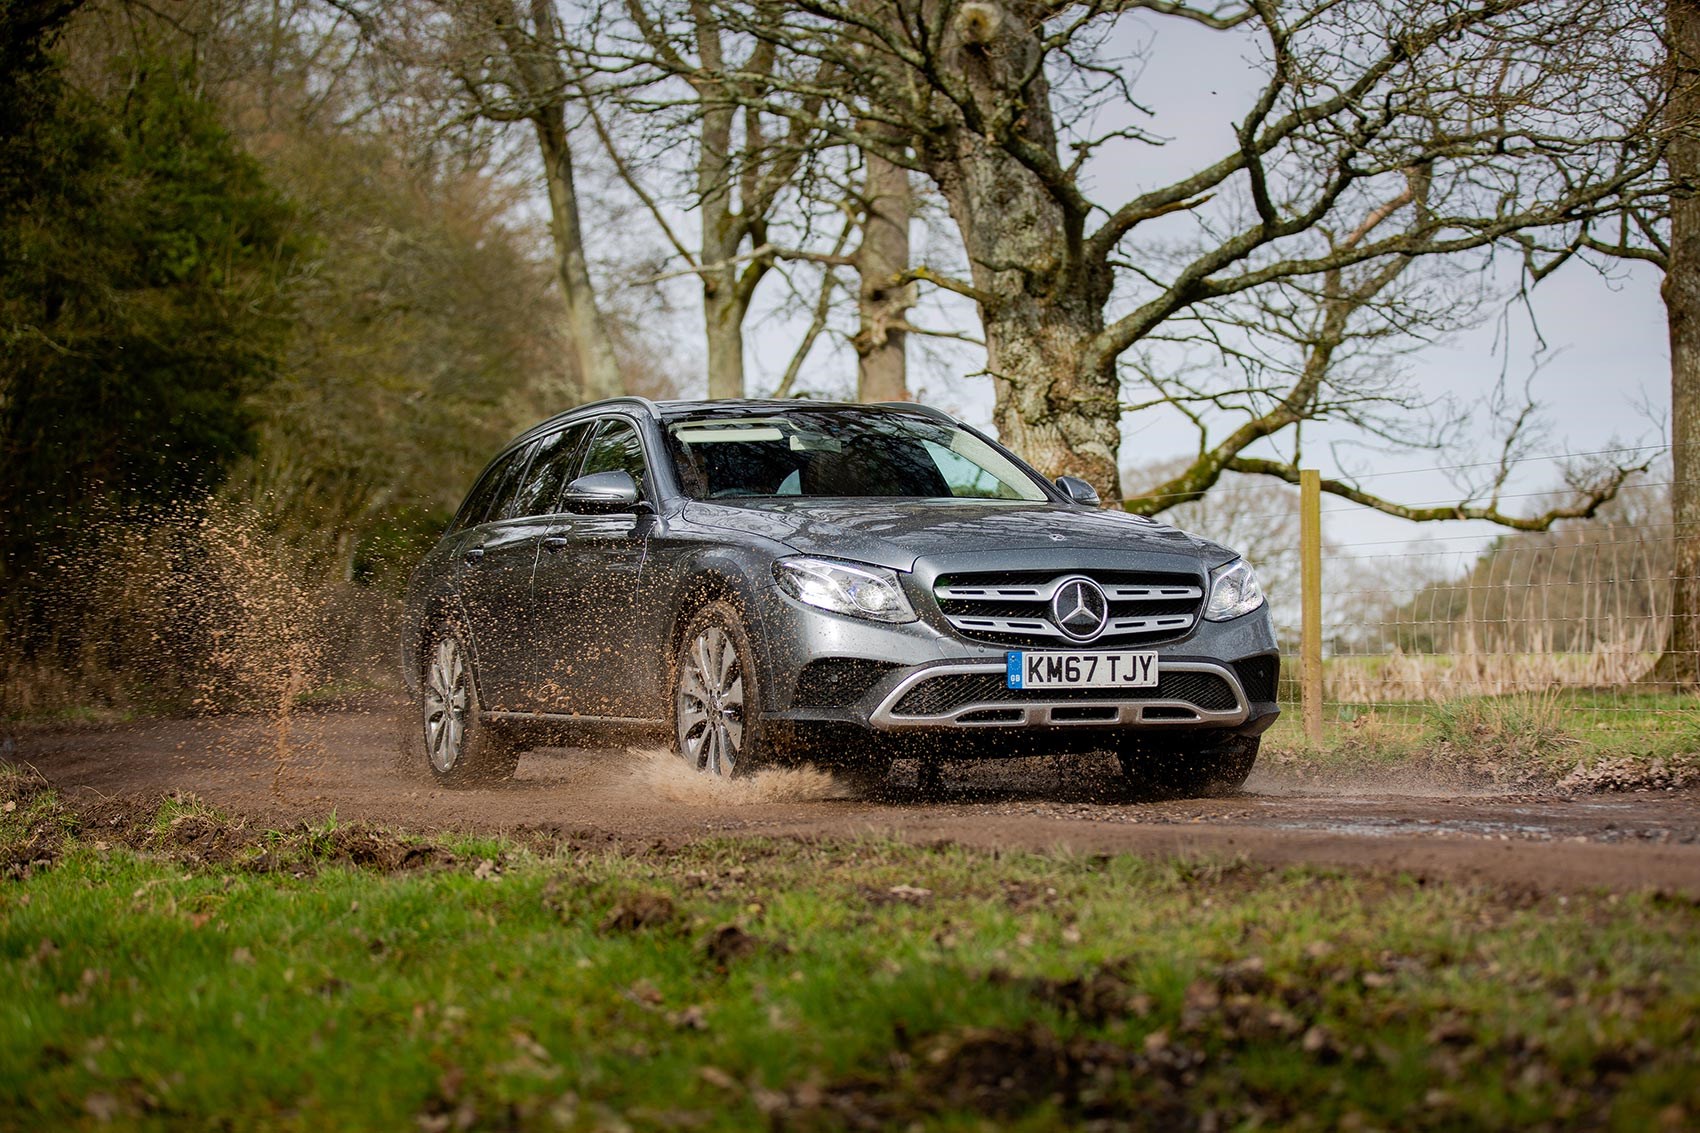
(1080, 609)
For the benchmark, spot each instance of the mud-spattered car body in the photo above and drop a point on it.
(847, 583)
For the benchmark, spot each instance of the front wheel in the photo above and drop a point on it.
(717, 718)
(459, 745)
(1219, 767)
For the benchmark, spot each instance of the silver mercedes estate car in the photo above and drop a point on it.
(782, 580)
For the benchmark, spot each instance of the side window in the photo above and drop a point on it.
(554, 459)
(502, 507)
(491, 489)
(615, 448)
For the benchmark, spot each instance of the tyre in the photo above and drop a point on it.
(717, 718)
(1218, 767)
(448, 731)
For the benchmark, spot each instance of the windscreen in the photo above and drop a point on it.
(841, 453)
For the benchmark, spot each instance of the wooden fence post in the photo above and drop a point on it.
(1310, 626)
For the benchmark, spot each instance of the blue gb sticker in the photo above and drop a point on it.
(1013, 669)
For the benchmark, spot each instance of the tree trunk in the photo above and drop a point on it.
(723, 317)
(723, 307)
(1061, 417)
(1680, 663)
(882, 365)
(1040, 304)
(592, 346)
(723, 303)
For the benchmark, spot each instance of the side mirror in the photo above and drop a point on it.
(601, 493)
(1079, 491)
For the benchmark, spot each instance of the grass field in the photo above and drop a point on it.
(1569, 738)
(170, 968)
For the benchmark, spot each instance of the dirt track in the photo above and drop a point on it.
(347, 762)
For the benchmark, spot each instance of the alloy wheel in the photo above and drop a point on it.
(710, 702)
(447, 695)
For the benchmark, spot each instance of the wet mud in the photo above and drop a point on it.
(348, 763)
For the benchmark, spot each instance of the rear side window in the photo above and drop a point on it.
(485, 498)
(616, 448)
(555, 458)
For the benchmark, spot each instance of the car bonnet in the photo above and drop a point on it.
(895, 533)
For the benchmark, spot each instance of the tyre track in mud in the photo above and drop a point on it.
(347, 762)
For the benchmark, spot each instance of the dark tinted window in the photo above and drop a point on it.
(615, 448)
(502, 507)
(840, 452)
(493, 487)
(555, 458)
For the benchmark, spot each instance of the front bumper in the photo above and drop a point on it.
(919, 681)
(980, 699)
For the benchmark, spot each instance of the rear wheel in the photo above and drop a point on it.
(458, 744)
(1216, 768)
(717, 718)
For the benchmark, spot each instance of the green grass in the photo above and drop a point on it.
(1563, 737)
(158, 979)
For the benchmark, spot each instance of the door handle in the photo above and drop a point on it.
(473, 554)
(554, 543)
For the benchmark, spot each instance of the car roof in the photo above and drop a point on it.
(743, 406)
(661, 411)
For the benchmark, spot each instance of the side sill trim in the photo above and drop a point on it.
(566, 718)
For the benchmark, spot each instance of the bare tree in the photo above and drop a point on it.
(1663, 230)
(1680, 663)
(1514, 114)
(1327, 350)
(886, 295)
(503, 54)
(745, 158)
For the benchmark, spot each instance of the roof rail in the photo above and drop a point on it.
(631, 398)
(917, 407)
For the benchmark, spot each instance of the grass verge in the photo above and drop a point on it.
(1570, 740)
(166, 966)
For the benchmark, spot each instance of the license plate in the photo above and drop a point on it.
(1081, 670)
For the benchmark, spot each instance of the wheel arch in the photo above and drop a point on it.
(723, 576)
(697, 592)
(438, 610)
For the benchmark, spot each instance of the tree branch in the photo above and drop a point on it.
(1590, 502)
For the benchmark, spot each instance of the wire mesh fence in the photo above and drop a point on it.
(1575, 618)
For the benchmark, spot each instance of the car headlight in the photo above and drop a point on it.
(1233, 591)
(844, 588)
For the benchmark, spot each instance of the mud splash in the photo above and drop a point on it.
(659, 774)
(205, 610)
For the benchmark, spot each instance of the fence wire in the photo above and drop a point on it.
(1579, 615)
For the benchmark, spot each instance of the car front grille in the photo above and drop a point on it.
(941, 695)
(1015, 607)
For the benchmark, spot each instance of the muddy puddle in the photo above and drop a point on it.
(347, 763)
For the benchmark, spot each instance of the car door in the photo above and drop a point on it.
(585, 591)
(491, 579)
(496, 569)
(534, 531)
